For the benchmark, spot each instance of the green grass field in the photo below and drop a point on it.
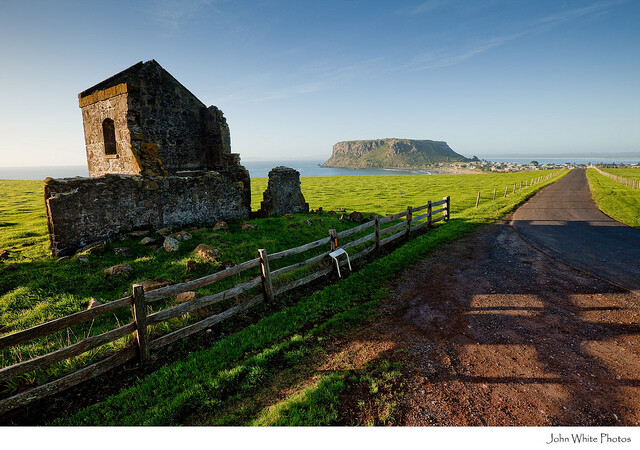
(616, 200)
(40, 288)
(626, 173)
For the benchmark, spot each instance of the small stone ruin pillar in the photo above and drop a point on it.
(283, 194)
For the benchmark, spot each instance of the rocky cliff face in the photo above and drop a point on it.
(391, 153)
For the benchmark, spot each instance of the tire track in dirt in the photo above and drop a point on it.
(497, 333)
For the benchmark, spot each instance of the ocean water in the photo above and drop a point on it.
(307, 168)
(255, 168)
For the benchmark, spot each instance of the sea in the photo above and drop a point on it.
(307, 168)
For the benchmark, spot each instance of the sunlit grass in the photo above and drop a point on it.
(616, 200)
(187, 391)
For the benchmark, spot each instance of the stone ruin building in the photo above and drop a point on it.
(283, 194)
(157, 156)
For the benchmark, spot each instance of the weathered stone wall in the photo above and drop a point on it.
(110, 104)
(161, 127)
(84, 210)
(283, 194)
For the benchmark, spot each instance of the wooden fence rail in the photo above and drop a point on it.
(629, 182)
(523, 184)
(144, 343)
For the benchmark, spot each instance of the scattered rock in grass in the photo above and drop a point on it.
(62, 258)
(124, 270)
(148, 241)
(122, 251)
(308, 222)
(171, 244)
(82, 259)
(93, 303)
(191, 266)
(4, 254)
(245, 226)
(154, 283)
(138, 234)
(92, 249)
(186, 297)
(207, 252)
(356, 217)
(163, 232)
(181, 236)
(220, 225)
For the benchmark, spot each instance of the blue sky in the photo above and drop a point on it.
(294, 77)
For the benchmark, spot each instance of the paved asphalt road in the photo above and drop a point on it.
(564, 221)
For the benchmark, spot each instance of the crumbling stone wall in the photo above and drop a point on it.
(283, 194)
(160, 126)
(84, 210)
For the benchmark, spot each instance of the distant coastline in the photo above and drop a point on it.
(307, 168)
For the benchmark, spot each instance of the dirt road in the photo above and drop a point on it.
(494, 332)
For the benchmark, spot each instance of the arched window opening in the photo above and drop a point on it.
(109, 135)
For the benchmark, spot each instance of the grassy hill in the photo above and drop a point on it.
(391, 154)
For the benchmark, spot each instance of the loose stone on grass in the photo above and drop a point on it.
(92, 249)
(123, 251)
(207, 252)
(171, 244)
(12, 266)
(163, 232)
(191, 266)
(148, 241)
(153, 283)
(137, 234)
(93, 303)
(124, 270)
(186, 297)
(220, 225)
(181, 236)
(248, 226)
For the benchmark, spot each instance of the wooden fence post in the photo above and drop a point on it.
(376, 231)
(140, 318)
(448, 211)
(334, 239)
(514, 188)
(521, 185)
(429, 218)
(265, 273)
(505, 190)
(494, 194)
(409, 217)
(477, 200)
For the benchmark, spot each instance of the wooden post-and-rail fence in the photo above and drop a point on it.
(629, 182)
(506, 189)
(145, 344)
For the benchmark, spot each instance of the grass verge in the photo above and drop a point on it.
(616, 200)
